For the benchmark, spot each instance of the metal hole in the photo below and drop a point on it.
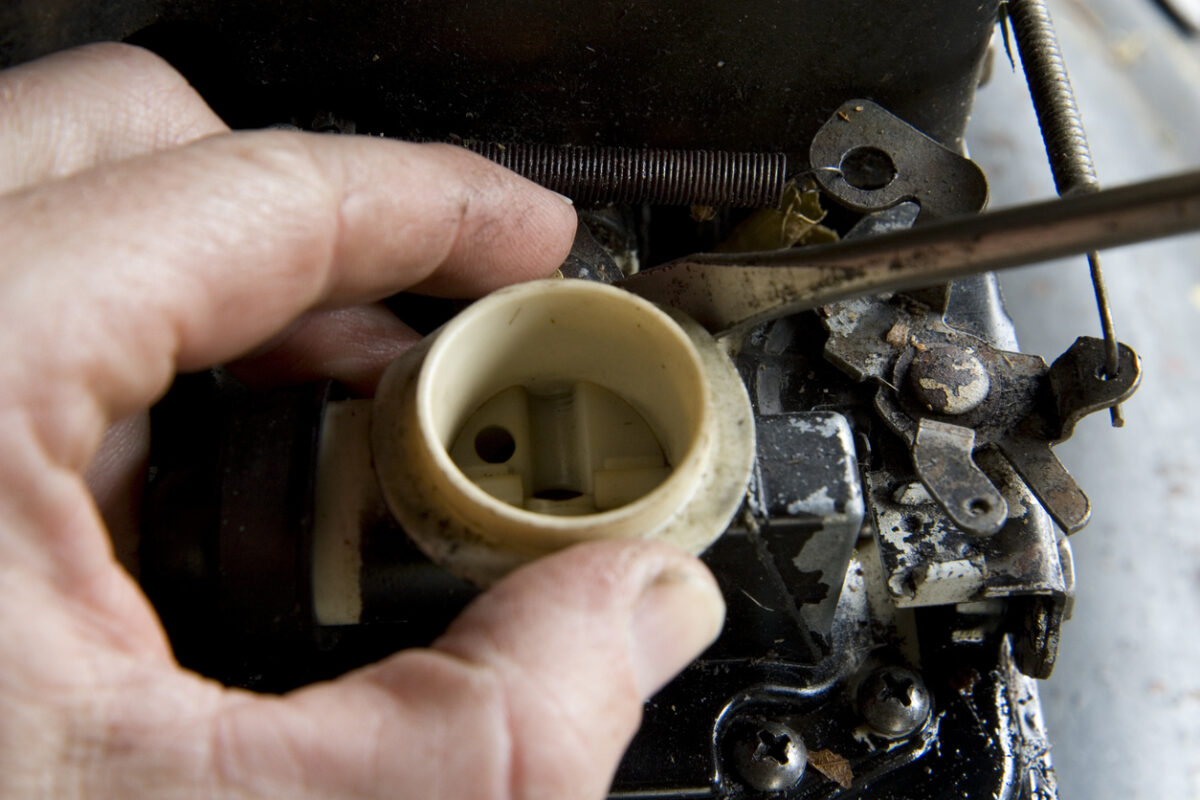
(557, 494)
(868, 168)
(495, 445)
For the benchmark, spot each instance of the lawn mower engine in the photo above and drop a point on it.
(895, 561)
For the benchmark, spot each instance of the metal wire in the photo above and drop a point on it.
(1065, 139)
(1111, 349)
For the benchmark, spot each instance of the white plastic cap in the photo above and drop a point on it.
(627, 401)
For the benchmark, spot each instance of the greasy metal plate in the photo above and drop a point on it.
(810, 499)
(928, 561)
(941, 181)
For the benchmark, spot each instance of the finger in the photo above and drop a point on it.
(350, 345)
(121, 275)
(115, 478)
(534, 692)
(104, 102)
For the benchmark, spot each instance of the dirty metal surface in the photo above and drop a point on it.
(674, 74)
(808, 505)
(1057, 490)
(943, 455)
(868, 159)
(928, 560)
(1013, 378)
(983, 737)
(680, 744)
(1021, 406)
(1080, 385)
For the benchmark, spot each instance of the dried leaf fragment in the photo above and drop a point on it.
(795, 222)
(832, 766)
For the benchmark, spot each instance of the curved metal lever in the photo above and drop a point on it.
(726, 292)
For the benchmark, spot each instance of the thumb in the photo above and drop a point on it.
(578, 643)
(534, 692)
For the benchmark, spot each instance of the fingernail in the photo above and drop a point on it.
(562, 197)
(678, 615)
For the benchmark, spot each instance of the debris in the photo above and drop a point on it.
(832, 766)
(897, 335)
(795, 222)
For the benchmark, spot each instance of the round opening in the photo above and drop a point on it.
(868, 168)
(495, 445)
(573, 400)
(537, 447)
(979, 506)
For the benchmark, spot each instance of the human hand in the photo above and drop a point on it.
(142, 238)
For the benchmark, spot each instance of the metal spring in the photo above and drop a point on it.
(1053, 98)
(1066, 141)
(627, 176)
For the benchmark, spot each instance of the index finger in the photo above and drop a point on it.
(101, 102)
(119, 276)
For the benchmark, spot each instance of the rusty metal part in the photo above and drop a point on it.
(1015, 379)
(1057, 491)
(948, 380)
(868, 160)
(1112, 347)
(1078, 385)
(1028, 405)
(1064, 136)
(1082, 383)
(1053, 97)
(725, 292)
(628, 176)
(1039, 620)
(1005, 399)
(927, 560)
(943, 456)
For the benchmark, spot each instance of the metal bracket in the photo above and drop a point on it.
(924, 367)
(943, 456)
(1081, 384)
(1049, 481)
(868, 159)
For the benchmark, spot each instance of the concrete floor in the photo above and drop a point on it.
(1123, 707)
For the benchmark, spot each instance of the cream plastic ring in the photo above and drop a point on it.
(543, 333)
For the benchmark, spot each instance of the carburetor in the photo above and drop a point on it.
(777, 342)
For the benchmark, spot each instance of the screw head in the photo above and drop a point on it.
(948, 380)
(768, 756)
(894, 701)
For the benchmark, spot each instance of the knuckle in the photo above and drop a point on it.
(136, 63)
(461, 710)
